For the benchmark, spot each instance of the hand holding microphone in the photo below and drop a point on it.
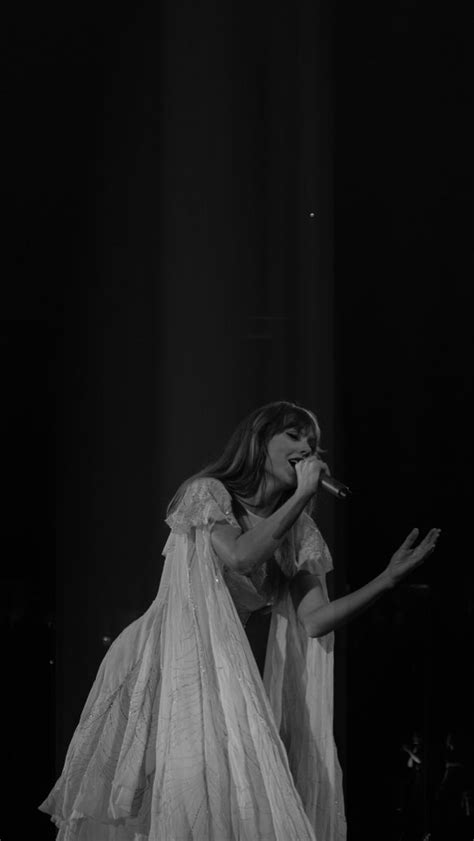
(312, 472)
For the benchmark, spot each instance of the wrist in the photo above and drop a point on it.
(302, 495)
(385, 581)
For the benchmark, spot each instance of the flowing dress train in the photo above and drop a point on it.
(180, 738)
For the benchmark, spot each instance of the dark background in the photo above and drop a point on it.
(208, 208)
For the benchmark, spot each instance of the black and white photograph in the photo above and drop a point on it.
(236, 320)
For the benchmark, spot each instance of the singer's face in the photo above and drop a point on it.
(284, 447)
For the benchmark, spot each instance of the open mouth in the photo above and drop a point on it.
(294, 461)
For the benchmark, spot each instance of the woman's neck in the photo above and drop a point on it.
(263, 503)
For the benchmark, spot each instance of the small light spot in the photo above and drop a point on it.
(106, 640)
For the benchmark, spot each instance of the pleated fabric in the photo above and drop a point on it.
(179, 739)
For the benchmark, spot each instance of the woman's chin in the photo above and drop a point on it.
(284, 481)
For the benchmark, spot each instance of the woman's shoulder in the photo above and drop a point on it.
(208, 488)
(208, 484)
(202, 500)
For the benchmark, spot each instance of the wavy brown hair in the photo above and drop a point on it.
(241, 466)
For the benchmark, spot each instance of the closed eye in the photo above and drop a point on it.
(297, 436)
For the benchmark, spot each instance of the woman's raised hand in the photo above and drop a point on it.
(408, 557)
(308, 472)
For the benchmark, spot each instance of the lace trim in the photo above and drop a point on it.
(285, 555)
(313, 550)
(206, 501)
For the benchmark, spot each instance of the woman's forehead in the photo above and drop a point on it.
(300, 421)
(304, 429)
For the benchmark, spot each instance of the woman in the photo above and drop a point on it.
(180, 738)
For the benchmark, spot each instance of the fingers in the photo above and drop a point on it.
(406, 559)
(429, 538)
(410, 539)
(426, 547)
(323, 468)
(429, 541)
(308, 472)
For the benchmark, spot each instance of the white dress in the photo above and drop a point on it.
(180, 739)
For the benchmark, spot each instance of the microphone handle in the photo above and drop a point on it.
(333, 486)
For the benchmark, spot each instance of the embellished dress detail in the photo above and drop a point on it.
(180, 739)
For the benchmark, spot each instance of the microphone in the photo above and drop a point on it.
(333, 486)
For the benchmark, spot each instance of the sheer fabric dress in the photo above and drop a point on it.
(180, 739)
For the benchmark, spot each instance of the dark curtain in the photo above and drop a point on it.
(404, 301)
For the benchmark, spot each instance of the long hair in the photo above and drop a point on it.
(241, 466)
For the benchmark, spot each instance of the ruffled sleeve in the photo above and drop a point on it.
(313, 554)
(204, 503)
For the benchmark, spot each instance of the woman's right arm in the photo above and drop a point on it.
(243, 551)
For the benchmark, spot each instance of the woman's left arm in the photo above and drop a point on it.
(319, 616)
